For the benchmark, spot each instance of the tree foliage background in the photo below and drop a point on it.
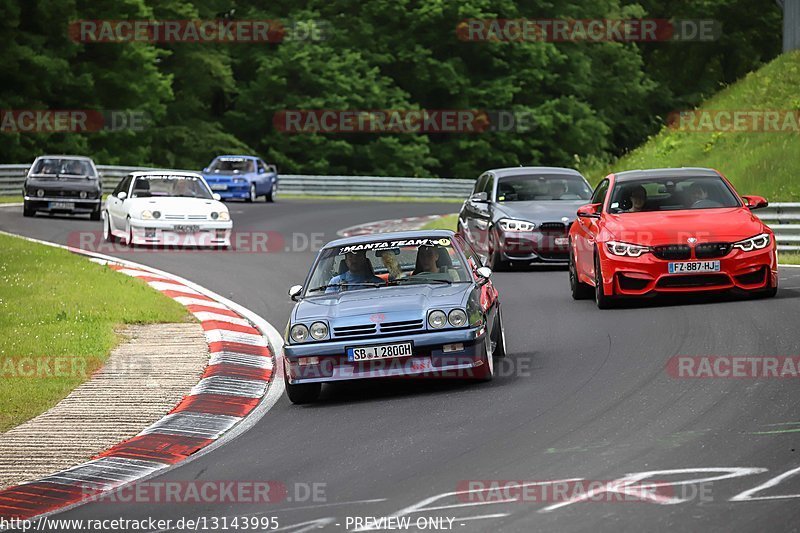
(592, 101)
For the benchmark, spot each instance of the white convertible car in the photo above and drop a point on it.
(166, 208)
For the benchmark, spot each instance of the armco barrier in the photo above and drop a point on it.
(783, 218)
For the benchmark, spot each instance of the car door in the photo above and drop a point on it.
(468, 212)
(264, 184)
(586, 234)
(482, 217)
(115, 206)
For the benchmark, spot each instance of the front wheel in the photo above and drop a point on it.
(27, 211)
(272, 193)
(252, 196)
(495, 260)
(580, 290)
(602, 300)
(301, 393)
(499, 337)
(95, 215)
(129, 234)
(485, 372)
(107, 235)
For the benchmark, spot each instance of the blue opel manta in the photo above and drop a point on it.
(242, 177)
(415, 303)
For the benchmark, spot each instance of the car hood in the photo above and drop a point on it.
(226, 178)
(675, 227)
(68, 184)
(388, 303)
(540, 210)
(179, 206)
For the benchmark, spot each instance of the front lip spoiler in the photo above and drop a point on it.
(62, 199)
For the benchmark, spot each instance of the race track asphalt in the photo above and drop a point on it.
(583, 394)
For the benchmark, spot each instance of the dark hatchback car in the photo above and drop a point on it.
(522, 215)
(64, 184)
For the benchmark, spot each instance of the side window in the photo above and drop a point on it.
(473, 258)
(261, 166)
(479, 183)
(600, 192)
(123, 185)
(488, 187)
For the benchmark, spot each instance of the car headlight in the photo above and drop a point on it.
(319, 330)
(224, 215)
(156, 214)
(437, 319)
(759, 242)
(457, 318)
(214, 215)
(622, 248)
(299, 333)
(83, 194)
(147, 215)
(512, 224)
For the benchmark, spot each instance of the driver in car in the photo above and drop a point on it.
(697, 194)
(638, 199)
(558, 189)
(359, 270)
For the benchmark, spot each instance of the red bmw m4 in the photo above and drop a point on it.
(678, 230)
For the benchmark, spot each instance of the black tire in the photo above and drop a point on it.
(500, 336)
(485, 372)
(580, 290)
(252, 196)
(95, 215)
(301, 393)
(129, 236)
(495, 260)
(602, 300)
(272, 193)
(107, 235)
(27, 211)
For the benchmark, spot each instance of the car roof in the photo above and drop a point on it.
(513, 171)
(682, 172)
(393, 236)
(165, 173)
(238, 156)
(65, 156)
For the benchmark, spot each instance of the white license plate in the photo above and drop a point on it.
(381, 351)
(186, 228)
(219, 187)
(694, 266)
(562, 241)
(62, 205)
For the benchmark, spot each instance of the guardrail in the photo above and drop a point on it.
(783, 218)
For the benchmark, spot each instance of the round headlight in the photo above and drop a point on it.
(457, 318)
(156, 214)
(214, 215)
(319, 330)
(299, 333)
(147, 215)
(224, 215)
(40, 193)
(83, 194)
(437, 319)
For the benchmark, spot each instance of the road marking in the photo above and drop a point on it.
(776, 431)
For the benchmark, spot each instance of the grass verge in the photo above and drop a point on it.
(763, 163)
(407, 199)
(10, 199)
(58, 314)
(445, 222)
(789, 258)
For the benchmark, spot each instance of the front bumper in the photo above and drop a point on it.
(163, 233)
(429, 359)
(231, 190)
(534, 246)
(79, 205)
(647, 274)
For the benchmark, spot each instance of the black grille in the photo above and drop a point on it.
(694, 280)
(712, 249)
(753, 278)
(397, 327)
(632, 284)
(553, 226)
(354, 331)
(60, 193)
(672, 251)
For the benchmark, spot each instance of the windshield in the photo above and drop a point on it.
(382, 263)
(232, 165)
(180, 186)
(542, 187)
(671, 194)
(63, 167)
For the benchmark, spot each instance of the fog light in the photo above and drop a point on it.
(149, 233)
(220, 234)
(447, 348)
(305, 361)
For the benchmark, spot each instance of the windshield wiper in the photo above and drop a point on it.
(422, 280)
(354, 284)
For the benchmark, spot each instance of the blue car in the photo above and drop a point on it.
(414, 303)
(242, 177)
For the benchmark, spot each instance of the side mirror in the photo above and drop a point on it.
(484, 273)
(216, 196)
(294, 292)
(273, 168)
(480, 197)
(589, 211)
(755, 202)
(122, 195)
(205, 170)
(261, 170)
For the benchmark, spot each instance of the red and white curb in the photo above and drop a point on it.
(236, 389)
(386, 226)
